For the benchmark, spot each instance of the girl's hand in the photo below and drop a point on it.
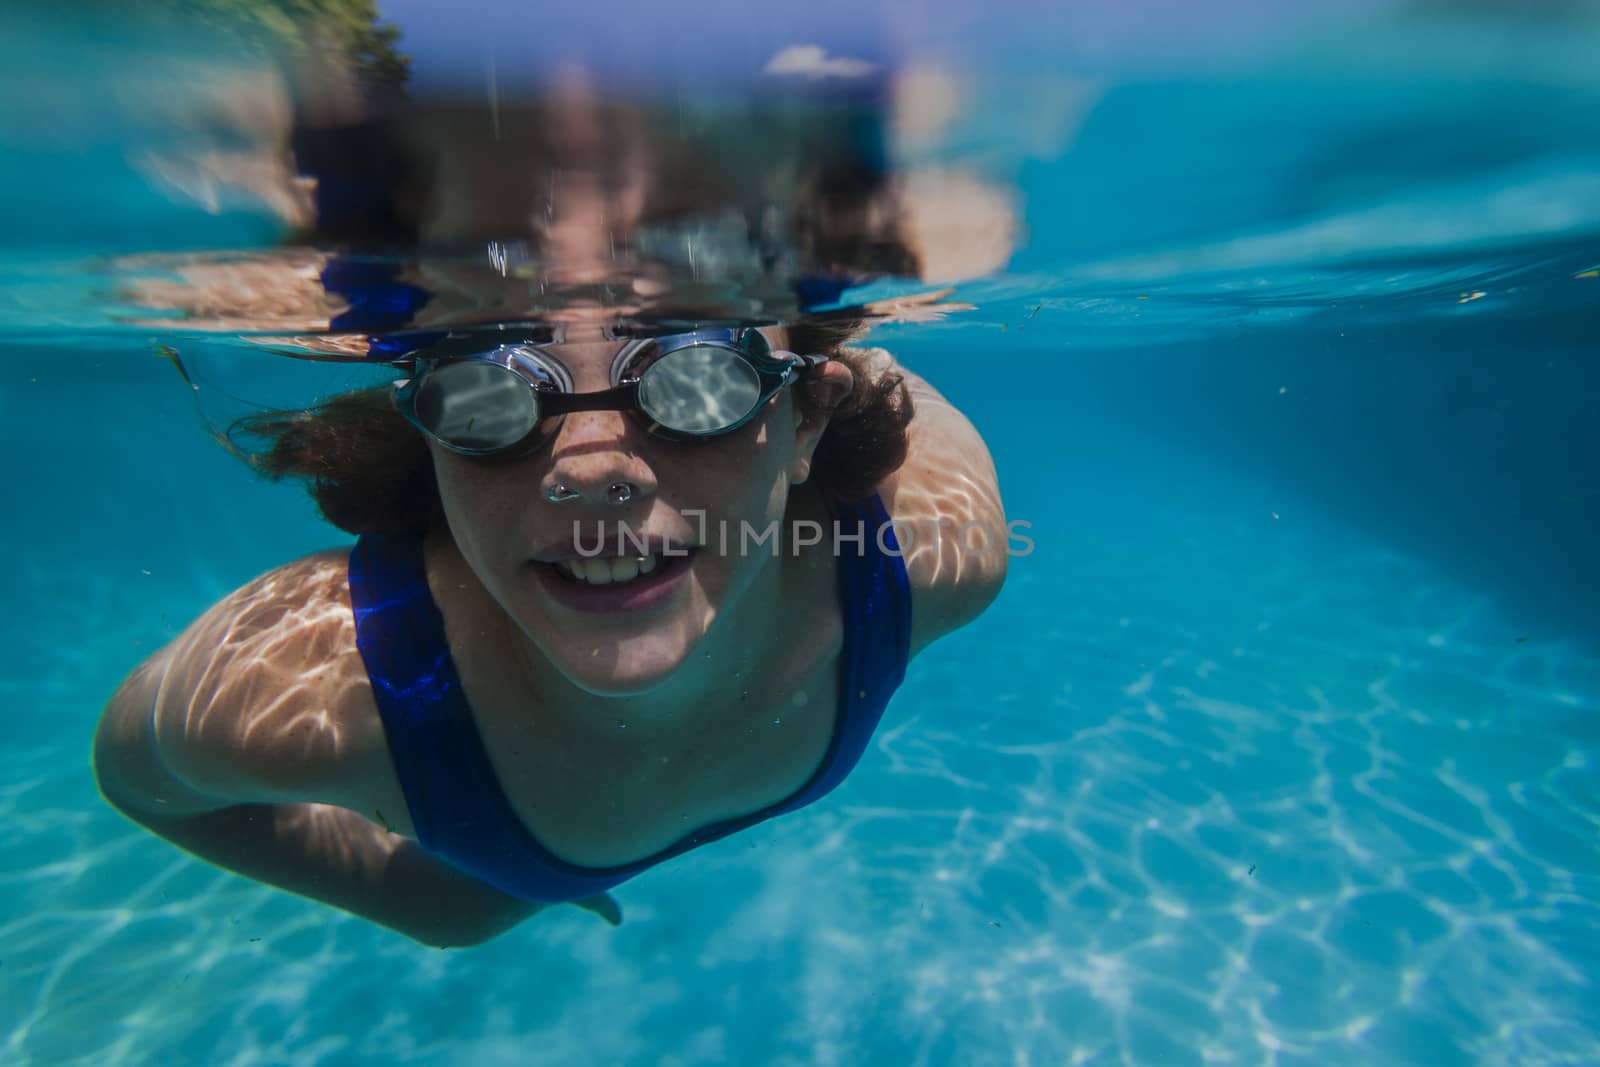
(603, 905)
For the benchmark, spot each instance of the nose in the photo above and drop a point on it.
(594, 462)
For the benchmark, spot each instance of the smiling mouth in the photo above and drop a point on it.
(616, 570)
(609, 584)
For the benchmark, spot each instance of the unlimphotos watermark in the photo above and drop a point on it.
(895, 537)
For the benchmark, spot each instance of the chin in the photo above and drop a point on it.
(621, 669)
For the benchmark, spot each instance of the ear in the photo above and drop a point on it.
(826, 388)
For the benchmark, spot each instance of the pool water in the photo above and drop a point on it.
(1279, 748)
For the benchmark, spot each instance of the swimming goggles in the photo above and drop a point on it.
(508, 400)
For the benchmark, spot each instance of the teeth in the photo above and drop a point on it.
(601, 571)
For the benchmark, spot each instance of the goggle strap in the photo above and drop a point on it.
(799, 365)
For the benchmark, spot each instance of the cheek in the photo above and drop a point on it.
(747, 474)
(477, 499)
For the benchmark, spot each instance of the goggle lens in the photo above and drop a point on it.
(699, 390)
(476, 406)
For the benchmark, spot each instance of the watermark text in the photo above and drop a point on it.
(895, 537)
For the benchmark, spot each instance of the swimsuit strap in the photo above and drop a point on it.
(401, 637)
(875, 598)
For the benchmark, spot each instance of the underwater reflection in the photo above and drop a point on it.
(670, 200)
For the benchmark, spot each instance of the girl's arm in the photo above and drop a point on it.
(247, 744)
(947, 495)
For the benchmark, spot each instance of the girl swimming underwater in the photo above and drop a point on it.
(475, 714)
(482, 710)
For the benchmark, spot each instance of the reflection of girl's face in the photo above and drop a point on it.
(573, 175)
(511, 535)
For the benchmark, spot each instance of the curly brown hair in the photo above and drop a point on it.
(370, 471)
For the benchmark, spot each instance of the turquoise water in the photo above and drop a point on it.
(1279, 749)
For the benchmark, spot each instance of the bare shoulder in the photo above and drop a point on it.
(265, 697)
(945, 502)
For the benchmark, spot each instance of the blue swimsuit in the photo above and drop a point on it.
(455, 802)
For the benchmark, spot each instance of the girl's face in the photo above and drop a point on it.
(628, 634)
